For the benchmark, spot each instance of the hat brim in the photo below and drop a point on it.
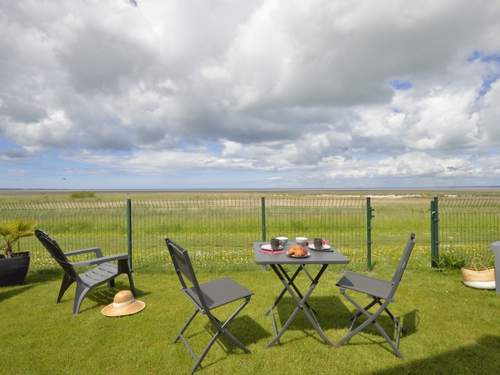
(130, 309)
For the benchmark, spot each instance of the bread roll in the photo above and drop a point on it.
(297, 250)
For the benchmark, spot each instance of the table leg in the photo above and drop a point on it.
(301, 304)
(310, 312)
(290, 280)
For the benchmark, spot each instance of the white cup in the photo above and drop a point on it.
(301, 240)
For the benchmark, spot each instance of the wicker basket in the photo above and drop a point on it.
(484, 279)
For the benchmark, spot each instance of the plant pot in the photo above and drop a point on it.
(13, 270)
(484, 279)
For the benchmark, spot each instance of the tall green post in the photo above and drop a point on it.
(369, 217)
(129, 232)
(434, 232)
(263, 220)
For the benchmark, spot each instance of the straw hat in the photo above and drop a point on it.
(124, 303)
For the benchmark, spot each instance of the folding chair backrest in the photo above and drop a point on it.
(55, 251)
(398, 275)
(184, 268)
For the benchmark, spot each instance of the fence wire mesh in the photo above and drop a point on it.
(73, 224)
(467, 226)
(341, 220)
(216, 231)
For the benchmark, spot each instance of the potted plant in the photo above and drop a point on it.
(479, 273)
(14, 266)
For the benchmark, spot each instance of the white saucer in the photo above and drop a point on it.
(325, 247)
(268, 247)
(308, 254)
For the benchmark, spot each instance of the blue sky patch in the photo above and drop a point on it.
(401, 85)
(483, 57)
(487, 82)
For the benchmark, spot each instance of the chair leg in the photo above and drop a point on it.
(221, 326)
(220, 330)
(371, 319)
(358, 313)
(65, 284)
(392, 344)
(81, 292)
(190, 319)
(205, 352)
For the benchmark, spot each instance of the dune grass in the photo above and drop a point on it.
(450, 329)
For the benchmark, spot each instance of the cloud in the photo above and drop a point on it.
(349, 89)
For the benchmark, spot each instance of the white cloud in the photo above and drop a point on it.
(275, 86)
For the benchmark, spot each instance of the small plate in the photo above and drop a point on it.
(324, 248)
(268, 247)
(298, 257)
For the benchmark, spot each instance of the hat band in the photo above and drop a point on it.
(122, 304)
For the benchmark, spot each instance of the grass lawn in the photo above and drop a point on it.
(451, 329)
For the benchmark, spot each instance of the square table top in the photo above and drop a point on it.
(316, 257)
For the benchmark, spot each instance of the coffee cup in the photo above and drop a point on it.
(275, 244)
(318, 243)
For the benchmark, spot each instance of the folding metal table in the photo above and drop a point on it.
(276, 262)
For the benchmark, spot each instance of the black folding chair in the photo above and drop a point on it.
(206, 297)
(105, 271)
(382, 293)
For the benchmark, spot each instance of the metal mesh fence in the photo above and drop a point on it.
(467, 226)
(217, 231)
(341, 220)
(73, 224)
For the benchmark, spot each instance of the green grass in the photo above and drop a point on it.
(451, 329)
(82, 195)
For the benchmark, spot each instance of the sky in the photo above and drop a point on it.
(138, 94)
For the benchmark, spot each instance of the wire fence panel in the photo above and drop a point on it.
(218, 230)
(340, 220)
(73, 224)
(467, 226)
(215, 231)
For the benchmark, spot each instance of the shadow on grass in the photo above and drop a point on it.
(45, 274)
(245, 329)
(332, 313)
(481, 358)
(410, 320)
(4, 295)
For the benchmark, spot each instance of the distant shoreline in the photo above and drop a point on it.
(245, 190)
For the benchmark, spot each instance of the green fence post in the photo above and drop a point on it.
(432, 211)
(263, 213)
(369, 217)
(129, 232)
(434, 232)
